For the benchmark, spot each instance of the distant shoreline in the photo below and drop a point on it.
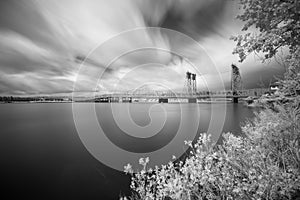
(46, 102)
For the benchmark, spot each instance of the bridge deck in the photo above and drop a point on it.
(175, 97)
(198, 95)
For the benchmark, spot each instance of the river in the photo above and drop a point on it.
(43, 156)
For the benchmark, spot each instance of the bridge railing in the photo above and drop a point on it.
(248, 92)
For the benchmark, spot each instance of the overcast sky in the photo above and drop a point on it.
(43, 44)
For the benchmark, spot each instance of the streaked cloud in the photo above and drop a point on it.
(44, 43)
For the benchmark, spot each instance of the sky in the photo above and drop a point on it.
(47, 47)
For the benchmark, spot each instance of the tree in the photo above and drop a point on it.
(275, 26)
(278, 23)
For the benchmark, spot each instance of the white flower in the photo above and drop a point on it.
(128, 169)
(141, 161)
(189, 143)
(146, 160)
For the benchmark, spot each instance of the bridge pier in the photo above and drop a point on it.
(126, 99)
(235, 99)
(163, 100)
(113, 99)
(103, 100)
(192, 100)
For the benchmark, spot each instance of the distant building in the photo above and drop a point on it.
(274, 87)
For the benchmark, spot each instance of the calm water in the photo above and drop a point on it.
(43, 157)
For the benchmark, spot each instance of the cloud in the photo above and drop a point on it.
(25, 84)
(25, 18)
(43, 44)
(20, 54)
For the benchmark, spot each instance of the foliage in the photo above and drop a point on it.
(272, 26)
(263, 165)
(278, 133)
(291, 83)
(278, 25)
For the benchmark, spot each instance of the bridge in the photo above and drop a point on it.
(168, 97)
(190, 95)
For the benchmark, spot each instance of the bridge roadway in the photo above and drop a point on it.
(173, 97)
(164, 98)
(202, 94)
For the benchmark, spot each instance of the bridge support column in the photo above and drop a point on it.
(235, 99)
(192, 100)
(103, 100)
(163, 100)
(126, 99)
(113, 99)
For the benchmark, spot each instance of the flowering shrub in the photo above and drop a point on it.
(265, 164)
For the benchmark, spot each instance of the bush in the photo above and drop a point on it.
(265, 164)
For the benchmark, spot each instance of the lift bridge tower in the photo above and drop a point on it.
(236, 82)
(190, 83)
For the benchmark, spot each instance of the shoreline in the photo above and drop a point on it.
(47, 102)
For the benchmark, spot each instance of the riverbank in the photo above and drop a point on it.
(266, 101)
(263, 165)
